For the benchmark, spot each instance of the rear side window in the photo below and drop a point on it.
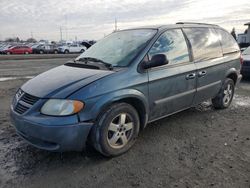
(228, 43)
(173, 44)
(205, 43)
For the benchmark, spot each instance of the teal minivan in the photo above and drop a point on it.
(108, 94)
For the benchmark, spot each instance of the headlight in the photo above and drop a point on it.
(61, 107)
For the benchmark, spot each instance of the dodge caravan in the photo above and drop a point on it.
(108, 94)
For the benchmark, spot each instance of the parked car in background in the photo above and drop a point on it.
(4, 48)
(126, 80)
(73, 48)
(92, 42)
(245, 68)
(45, 49)
(18, 50)
(35, 45)
(86, 44)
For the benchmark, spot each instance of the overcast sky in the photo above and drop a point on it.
(94, 18)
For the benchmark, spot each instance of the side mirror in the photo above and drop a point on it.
(156, 61)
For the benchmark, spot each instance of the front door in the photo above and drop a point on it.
(172, 87)
(18, 50)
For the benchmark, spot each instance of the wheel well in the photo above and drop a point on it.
(233, 76)
(140, 108)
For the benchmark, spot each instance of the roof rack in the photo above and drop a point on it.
(195, 23)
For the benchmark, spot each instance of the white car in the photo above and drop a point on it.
(73, 48)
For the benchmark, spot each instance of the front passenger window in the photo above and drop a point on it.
(173, 44)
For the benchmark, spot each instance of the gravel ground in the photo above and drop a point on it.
(199, 147)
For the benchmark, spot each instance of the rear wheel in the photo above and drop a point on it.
(225, 96)
(8, 53)
(116, 130)
(41, 52)
(66, 51)
(82, 50)
(55, 52)
(26, 52)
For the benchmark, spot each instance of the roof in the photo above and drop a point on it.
(177, 25)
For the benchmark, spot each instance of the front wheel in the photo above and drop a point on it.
(116, 130)
(225, 96)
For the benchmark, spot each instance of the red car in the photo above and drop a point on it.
(19, 50)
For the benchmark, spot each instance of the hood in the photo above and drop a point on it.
(62, 81)
(246, 57)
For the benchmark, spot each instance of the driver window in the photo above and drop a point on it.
(173, 44)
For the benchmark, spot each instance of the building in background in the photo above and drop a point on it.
(244, 38)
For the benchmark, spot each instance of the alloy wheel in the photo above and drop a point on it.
(228, 93)
(120, 130)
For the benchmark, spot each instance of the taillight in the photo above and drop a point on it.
(241, 59)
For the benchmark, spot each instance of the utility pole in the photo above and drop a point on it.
(115, 24)
(61, 33)
(66, 20)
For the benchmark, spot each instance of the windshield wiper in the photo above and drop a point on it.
(86, 59)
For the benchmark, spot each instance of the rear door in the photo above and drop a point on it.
(209, 61)
(172, 86)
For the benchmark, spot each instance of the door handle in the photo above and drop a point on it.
(202, 73)
(190, 76)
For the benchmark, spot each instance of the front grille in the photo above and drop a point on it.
(20, 109)
(23, 101)
(27, 98)
(246, 63)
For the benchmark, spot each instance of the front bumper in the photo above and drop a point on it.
(52, 137)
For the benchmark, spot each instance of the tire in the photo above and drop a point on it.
(55, 52)
(8, 53)
(225, 96)
(82, 50)
(26, 53)
(66, 51)
(41, 52)
(116, 130)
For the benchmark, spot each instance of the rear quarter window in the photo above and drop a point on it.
(228, 43)
(205, 43)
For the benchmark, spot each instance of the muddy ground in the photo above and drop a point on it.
(200, 147)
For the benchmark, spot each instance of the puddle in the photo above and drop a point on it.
(241, 101)
(2, 79)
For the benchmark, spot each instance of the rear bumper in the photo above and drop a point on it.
(54, 137)
(245, 70)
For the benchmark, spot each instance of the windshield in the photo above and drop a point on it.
(246, 51)
(119, 48)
